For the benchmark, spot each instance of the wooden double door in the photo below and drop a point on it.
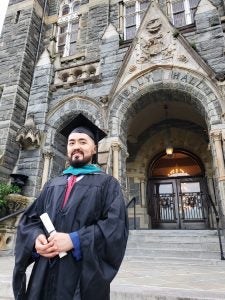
(178, 203)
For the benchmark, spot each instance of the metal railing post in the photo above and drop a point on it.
(133, 200)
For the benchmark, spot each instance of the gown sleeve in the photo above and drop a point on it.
(103, 244)
(28, 229)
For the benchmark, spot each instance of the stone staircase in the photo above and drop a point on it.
(159, 265)
(174, 245)
(171, 265)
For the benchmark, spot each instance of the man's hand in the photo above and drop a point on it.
(61, 241)
(45, 248)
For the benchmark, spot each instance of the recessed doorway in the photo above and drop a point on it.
(177, 192)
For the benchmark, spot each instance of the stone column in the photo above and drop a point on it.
(116, 148)
(217, 139)
(143, 193)
(48, 155)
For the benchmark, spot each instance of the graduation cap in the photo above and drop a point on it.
(83, 125)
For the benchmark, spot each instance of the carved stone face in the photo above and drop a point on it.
(153, 26)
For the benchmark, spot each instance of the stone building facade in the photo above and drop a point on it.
(151, 74)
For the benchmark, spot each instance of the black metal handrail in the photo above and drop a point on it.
(12, 215)
(208, 198)
(133, 200)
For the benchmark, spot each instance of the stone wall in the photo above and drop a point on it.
(19, 44)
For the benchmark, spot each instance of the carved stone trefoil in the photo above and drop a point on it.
(28, 135)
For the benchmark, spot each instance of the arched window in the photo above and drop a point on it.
(68, 27)
(66, 10)
(76, 6)
(179, 165)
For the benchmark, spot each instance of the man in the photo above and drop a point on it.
(87, 209)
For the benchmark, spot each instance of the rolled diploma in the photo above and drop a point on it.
(50, 228)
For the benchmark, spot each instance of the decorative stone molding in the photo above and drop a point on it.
(48, 154)
(132, 68)
(28, 135)
(16, 202)
(77, 75)
(154, 42)
(104, 100)
(116, 147)
(216, 135)
(182, 58)
(70, 17)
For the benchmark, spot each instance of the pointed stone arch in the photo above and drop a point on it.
(60, 115)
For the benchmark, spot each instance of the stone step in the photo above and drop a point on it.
(165, 234)
(158, 232)
(172, 253)
(152, 261)
(174, 260)
(169, 245)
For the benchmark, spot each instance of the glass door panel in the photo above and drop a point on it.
(163, 206)
(178, 203)
(192, 203)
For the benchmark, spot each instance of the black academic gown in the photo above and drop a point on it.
(96, 210)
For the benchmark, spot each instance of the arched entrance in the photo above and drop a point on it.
(137, 117)
(177, 192)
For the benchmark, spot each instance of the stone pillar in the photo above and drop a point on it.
(48, 155)
(217, 139)
(116, 148)
(143, 193)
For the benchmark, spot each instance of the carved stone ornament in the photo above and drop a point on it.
(132, 68)
(28, 135)
(154, 42)
(104, 100)
(183, 58)
(16, 202)
(216, 135)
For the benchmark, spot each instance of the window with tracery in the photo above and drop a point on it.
(183, 12)
(133, 12)
(68, 27)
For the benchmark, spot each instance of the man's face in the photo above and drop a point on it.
(80, 149)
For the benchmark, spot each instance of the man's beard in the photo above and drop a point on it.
(79, 163)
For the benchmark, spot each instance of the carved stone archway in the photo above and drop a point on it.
(203, 94)
(59, 117)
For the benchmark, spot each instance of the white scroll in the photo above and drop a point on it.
(50, 228)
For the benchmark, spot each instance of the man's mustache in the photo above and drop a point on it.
(77, 152)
